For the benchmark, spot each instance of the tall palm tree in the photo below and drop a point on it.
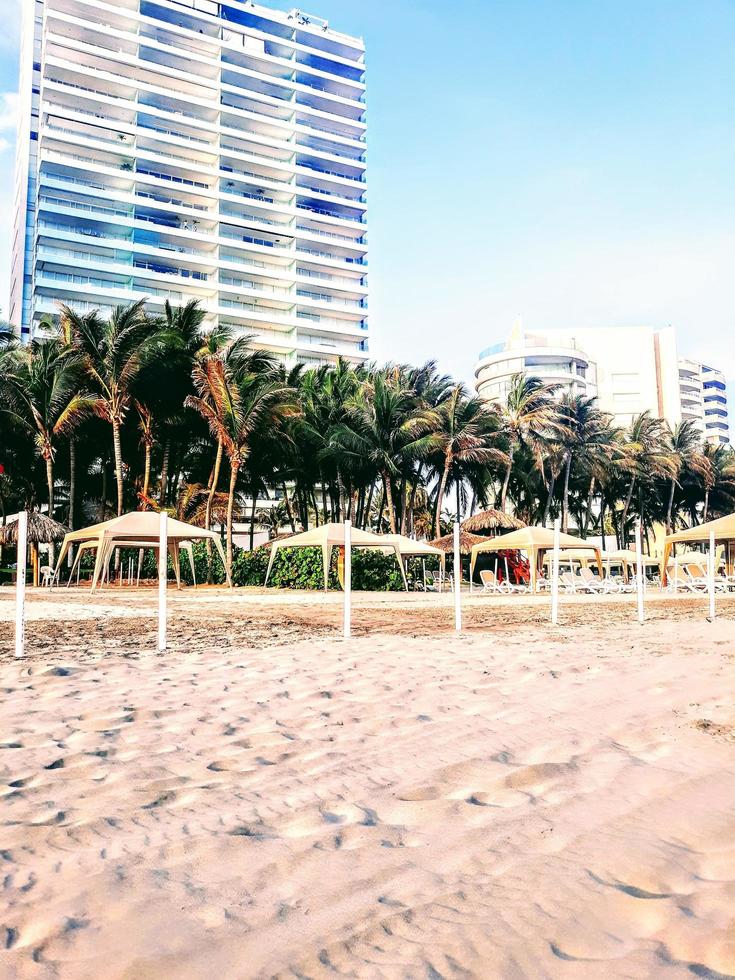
(385, 427)
(529, 412)
(113, 353)
(645, 457)
(687, 455)
(233, 403)
(46, 396)
(463, 435)
(582, 425)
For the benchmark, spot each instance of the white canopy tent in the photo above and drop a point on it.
(535, 542)
(137, 529)
(329, 536)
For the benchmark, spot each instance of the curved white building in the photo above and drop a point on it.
(628, 370)
(178, 149)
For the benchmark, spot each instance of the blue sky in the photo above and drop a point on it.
(568, 161)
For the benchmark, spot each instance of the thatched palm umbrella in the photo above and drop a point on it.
(465, 542)
(41, 530)
(491, 520)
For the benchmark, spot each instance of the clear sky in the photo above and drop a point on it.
(569, 161)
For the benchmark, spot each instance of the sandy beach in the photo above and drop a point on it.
(267, 800)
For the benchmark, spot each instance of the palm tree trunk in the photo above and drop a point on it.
(706, 506)
(50, 485)
(118, 465)
(147, 472)
(440, 497)
(670, 508)
(389, 503)
(164, 472)
(252, 519)
(549, 497)
(602, 521)
(213, 486)
(72, 481)
(588, 512)
(459, 499)
(368, 506)
(234, 470)
(624, 517)
(565, 498)
(506, 479)
(289, 509)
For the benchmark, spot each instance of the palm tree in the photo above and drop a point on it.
(582, 425)
(234, 402)
(462, 436)
(687, 456)
(113, 354)
(385, 428)
(646, 457)
(45, 396)
(530, 411)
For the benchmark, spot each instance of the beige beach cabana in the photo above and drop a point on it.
(723, 529)
(329, 536)
(627, 559)
(409, 548)
(137, 529)
(535, 542)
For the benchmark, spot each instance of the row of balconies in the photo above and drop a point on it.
(339, 147)
(133, 62)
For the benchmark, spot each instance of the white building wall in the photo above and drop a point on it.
(187, 148)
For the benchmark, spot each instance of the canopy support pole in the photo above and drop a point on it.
(555, 575)
(347, 615)
(162, 570)
(457, 580)
(20, 584)
(711, 576)
(639, 572)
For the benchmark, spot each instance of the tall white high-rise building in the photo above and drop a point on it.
(628, 370)
(173, 149)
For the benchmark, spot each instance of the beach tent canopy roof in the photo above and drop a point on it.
(723, 529)
(328, 536)
(139, 525)
(407, 546)
(533, 540)
(491, 520)
(130, 530)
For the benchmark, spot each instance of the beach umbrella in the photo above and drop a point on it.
(491, 520)
(41, 530)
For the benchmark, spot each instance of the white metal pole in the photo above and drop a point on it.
(555, 574)
(20, 584)
(639, 571)
(457, 581)
(711, 576)
(347, 629)
(162, 575)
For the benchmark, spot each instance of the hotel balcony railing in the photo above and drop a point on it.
(352, 304)
(175, 133)
(269, 311)
(331, 214)
(339, 198)
(228, 212)
(329, 234)
(82, 280)
(333, 132)
(335, 151)
(331, 173)
(252, 284)
(252, 240)
(146, 172)
(125, 240)
(66, 179)
(78, 206)
(252, 197)
(330, 321)
(325, 275)
(176, 202)
(241, 260)
(268, 161)
(249, 173)
(348, 260)
(163, 271)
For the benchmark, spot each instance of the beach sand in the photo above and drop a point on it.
(267, 800)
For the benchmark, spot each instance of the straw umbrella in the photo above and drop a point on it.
(491, 520)
(41, 530)
(466, 541)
